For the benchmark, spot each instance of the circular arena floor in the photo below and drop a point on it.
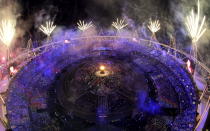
(144, 89)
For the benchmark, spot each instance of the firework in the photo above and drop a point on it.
(195, 28)
(7, 31)
(84, 26)
(48, 28)
(119, 24)
(30, 44)
(195, 25)
(154, 26)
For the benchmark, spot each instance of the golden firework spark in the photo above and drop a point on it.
(84, 26)
(154, 26)
(195, 25)
(119, 24)
(7, 31)
(48, 29)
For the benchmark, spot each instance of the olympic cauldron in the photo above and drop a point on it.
(102, 84)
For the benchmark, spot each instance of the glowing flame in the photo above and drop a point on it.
(119, 24)
(48, 28)
(7, 31)
(84, 26)
(189, 66)
(195, 25)
(154, 26)
(102, 68)
(102, 72)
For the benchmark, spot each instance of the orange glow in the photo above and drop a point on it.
(102, 68)
(102, 72)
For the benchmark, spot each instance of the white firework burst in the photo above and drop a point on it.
(195, 25)
(7, 31)
(48, 28)
(154, 26)
(84, 26)
(119, 24)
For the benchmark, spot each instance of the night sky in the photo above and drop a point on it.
(65, 12)
(68, 12)
(102, 12)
